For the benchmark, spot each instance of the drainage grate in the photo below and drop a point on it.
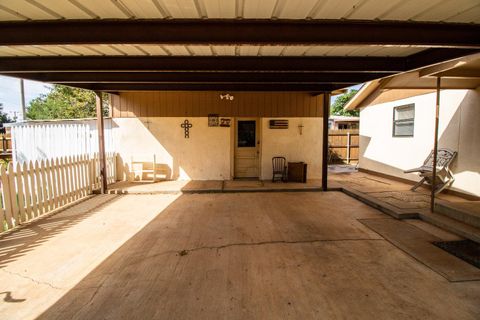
(467, 250)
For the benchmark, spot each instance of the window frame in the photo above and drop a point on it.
(395, 122)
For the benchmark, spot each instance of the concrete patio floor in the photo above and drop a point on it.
(393, 195)
(206, 186)
(279, 255)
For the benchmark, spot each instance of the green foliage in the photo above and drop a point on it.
(64, 103)
(337, 107)
(4, 118)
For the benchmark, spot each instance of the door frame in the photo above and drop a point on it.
(233, 141)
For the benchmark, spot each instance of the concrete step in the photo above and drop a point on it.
(460, 228)
(467, 212)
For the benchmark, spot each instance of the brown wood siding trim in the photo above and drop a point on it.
(203, 103)
(388, 95)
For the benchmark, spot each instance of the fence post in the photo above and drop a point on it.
(13, 193)
(33, 190)
(7, 205)
(348, 147)
(28, 198)
(20, 193)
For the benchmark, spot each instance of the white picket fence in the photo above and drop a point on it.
(31, 190)
(47, 139)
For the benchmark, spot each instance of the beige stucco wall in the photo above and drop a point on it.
(289, 143)
(459, 130)
(204, 156)
(208, 153)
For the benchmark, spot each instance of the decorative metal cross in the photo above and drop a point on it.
(300, 128)
(186, 125)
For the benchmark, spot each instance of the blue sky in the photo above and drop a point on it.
(10, 93)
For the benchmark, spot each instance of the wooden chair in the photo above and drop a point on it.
(444, 176)
(279, 165)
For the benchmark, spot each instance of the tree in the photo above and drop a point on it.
(64, 102)
(4, 118)
(337, 107)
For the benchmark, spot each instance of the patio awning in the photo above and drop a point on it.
(312, 46)
(277, 45)
(462, 73)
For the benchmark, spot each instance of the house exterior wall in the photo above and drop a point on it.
(202, 103)
(289, 143)
(203, 156)
(458, 130)
(208, 153)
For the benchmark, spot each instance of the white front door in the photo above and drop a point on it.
(247, 148)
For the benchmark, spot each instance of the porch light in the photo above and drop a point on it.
(226, 96)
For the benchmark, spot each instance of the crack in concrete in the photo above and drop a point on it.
(31, 279)
(93, 295)
(261, 243)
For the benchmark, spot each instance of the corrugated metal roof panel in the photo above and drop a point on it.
(408, 9)
(180, 9)
(372, 10)
(143, 8)
(154, 50)
(471, 14)
(203, 50)
(65, 9)
(333, 9)
(27, 9)
(103, 9)
(217, 9)
(298, 9)
(254, 9)
(271, 50)
(9, 52)
(248, 50)
(9, 15)
(177, 50)
(131, 50)
(224, 50)
(295, 50)
(104, 49)
(421, 10)
(83, 50)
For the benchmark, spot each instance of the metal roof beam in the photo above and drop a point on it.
(217, 63)
(112, 87)
(200, 77)
(247, 31)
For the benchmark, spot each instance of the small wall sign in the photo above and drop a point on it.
(225, 122)
(213, 120)
(278, 124)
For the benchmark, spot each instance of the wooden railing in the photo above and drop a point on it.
(31, 190)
